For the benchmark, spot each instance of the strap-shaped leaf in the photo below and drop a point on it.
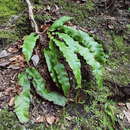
(87, 55)
(72, 60)
(39, 84)
(29, 44)
(50, 63)
(96, 67)
(68, 40)
(59, 22)
(86, 41)
(22, 101)
(56, 69)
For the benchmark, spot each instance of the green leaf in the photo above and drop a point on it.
(72, 60)
(29, 44)
(50, 63)
(68, 40)
(87, 55)
(22, 101)
(39, 84)
(59, 22)
(56, 69)
(96, 67)
(87, 41)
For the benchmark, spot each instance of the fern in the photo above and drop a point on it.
(86, 54)
(56, 69)
(72, 60)
(64, 42)
(70, 42)
(39, 85)
(28, 46)
(59, 23)
(85, 40)
(22, 101)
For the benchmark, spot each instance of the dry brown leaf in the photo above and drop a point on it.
(13, 50)
(40, 119)
(17, 62)
(50, 119)
(8, 90)
(11, 102)
(121, 104)
(127, 115)
(128, 105)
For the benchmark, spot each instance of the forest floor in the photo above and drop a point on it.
(108, 21)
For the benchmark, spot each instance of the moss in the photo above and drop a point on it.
(43, 18)
(117, 68)
(118, 40)
(80, 12)
(23, 26)
(90, 5)
(9, 8)
(9, 13)
(8, 34)
(8, 121)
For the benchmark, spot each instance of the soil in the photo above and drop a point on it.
(108, 21)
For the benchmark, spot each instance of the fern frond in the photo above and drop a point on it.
(90, 60)
(22, 101)
(59, 23)
(56, 69)
(85, 40)
(39, 85)
(68, 41)
(72, 60)
(29, 44)
(50, 64)
(86, 54)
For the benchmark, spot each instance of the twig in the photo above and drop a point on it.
(31, 16)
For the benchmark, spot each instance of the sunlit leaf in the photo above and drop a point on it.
(39, 85)
(29, 44)
(56, 69)
(87, 41)
(86, 54)
(59, 22)
(72, 60)
(22, 101)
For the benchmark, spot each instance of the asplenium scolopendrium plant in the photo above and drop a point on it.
(64, 42)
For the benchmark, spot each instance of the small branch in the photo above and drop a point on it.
(31, 16)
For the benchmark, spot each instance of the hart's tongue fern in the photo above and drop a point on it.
(64, 42)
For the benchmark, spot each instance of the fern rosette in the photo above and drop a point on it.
(65, 42)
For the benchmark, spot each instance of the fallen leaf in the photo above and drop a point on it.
(50, 119)
(4, 63)
(8, 90)
(11, 102)
(14, 67)
(121, 104)
(128, 105)
(45, 27)
(4, 53)
(13, 50)
(110, 27)
(127, 115)
(17, 62)
(40, 119)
